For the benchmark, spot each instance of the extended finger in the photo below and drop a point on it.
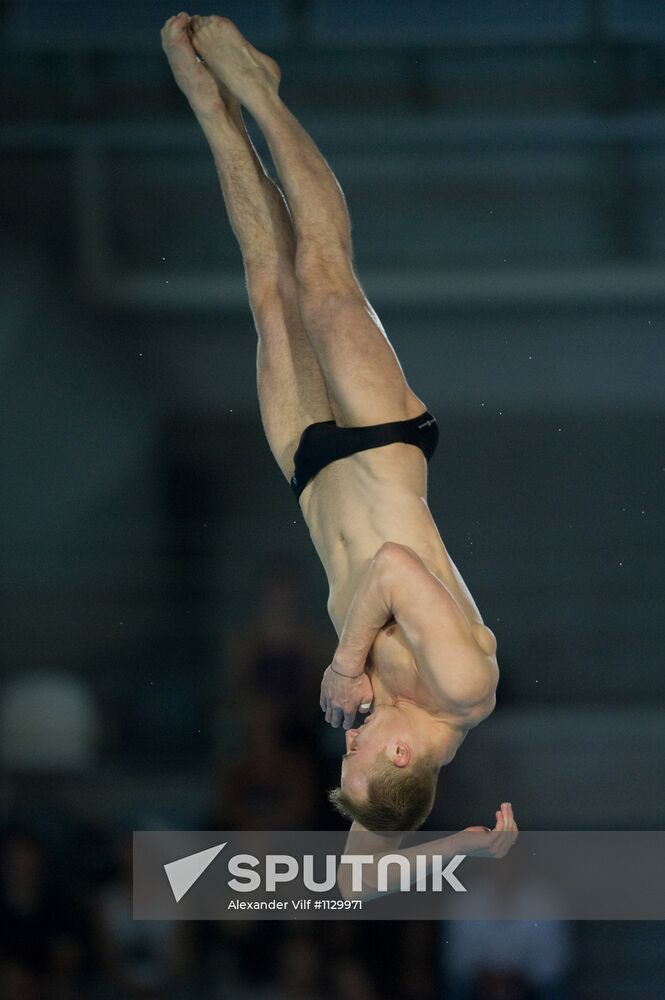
(509, 818)
(349, 719)
(513, 828)
(336, 715)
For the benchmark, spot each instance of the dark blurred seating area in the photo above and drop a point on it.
(163, 614)
(66, 924)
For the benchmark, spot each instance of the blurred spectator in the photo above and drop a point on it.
(507, 960)
(281, 654)
(416, 972)
(350, 978)
(41, 955)
(498, 959)
(269, 783)
(299, 971)
(384, 959)
(139, 958)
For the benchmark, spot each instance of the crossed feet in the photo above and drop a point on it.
(212, 61)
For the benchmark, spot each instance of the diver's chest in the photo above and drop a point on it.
(391, 658)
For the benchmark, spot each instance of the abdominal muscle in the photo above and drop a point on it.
(356, 504)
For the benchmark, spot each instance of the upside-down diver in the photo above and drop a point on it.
(352, 440)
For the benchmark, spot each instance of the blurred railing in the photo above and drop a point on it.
(127, 24)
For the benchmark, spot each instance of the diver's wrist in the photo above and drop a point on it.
(343, 669)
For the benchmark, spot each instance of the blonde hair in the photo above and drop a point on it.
(398, 798)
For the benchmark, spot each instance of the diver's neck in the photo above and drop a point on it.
(429, 734)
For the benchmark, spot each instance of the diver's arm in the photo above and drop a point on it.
(474, 841)
(345, 687)
(367, 614)
(454, 656)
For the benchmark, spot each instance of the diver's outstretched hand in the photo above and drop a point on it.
(473, 842)
(342, 697)
(481, 842)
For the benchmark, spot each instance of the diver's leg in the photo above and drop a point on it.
(291, 387)
(365, 381)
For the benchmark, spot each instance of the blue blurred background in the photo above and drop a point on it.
(163, 613)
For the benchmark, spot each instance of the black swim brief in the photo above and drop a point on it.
(325, 442)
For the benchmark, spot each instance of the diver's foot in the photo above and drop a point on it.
(192, 76)
(230, 101)
(249, 75)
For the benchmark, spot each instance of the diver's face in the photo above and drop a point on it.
(363, 745)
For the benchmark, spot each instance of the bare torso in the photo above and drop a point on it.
(351, 508)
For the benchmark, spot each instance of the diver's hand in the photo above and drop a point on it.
(479, 842)
(342, 696)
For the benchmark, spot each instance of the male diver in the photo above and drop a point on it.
(353, 440)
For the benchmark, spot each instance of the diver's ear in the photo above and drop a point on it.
(402, 754)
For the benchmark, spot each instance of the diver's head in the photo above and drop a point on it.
(389, 773)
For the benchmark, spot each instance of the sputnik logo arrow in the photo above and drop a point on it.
(183, 873)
